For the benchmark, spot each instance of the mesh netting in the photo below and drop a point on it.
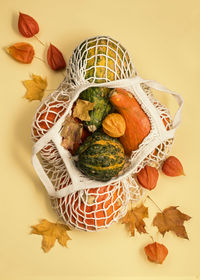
(83, 203)
(98, 60)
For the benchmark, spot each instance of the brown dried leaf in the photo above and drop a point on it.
(134, 219)
(35, 87)
(71, 133)
(171, 219)
(51, 232)
(82, 108)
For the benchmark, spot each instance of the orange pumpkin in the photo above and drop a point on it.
(46, 117)
(96, 208)
(137, 122)
(44, 120)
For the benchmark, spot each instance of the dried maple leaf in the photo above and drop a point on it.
(156, 252)
(22, 52)
(35, 88)
(81, 110)
(134, 219)
(171, 219)
(51, 232)
(71, 133)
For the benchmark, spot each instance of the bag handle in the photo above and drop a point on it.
(42, 175)
(153, 84)
(178, 97)
(39, 145)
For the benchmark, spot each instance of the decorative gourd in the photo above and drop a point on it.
(100, 157)
(100, 97)
(114, 125)
(97, 208)
(109, 53)
(137, 122)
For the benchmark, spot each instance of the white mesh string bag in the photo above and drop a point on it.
(83, 203)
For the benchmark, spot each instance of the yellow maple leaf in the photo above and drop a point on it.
(35, 87)
(82, 108)
(134, 219)
(51, 232)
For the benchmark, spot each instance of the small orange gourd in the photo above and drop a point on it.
(114, 125)
(137, 122)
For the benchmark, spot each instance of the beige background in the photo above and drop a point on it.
(163, 39)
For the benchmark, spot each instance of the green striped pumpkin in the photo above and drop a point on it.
(100, 157)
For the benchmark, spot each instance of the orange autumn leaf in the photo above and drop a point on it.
(55, 58)
(156, 252)
(51, 232)
(22, 52)
(35, 88)
(27, 25)
(171, 219)
(134, 219)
